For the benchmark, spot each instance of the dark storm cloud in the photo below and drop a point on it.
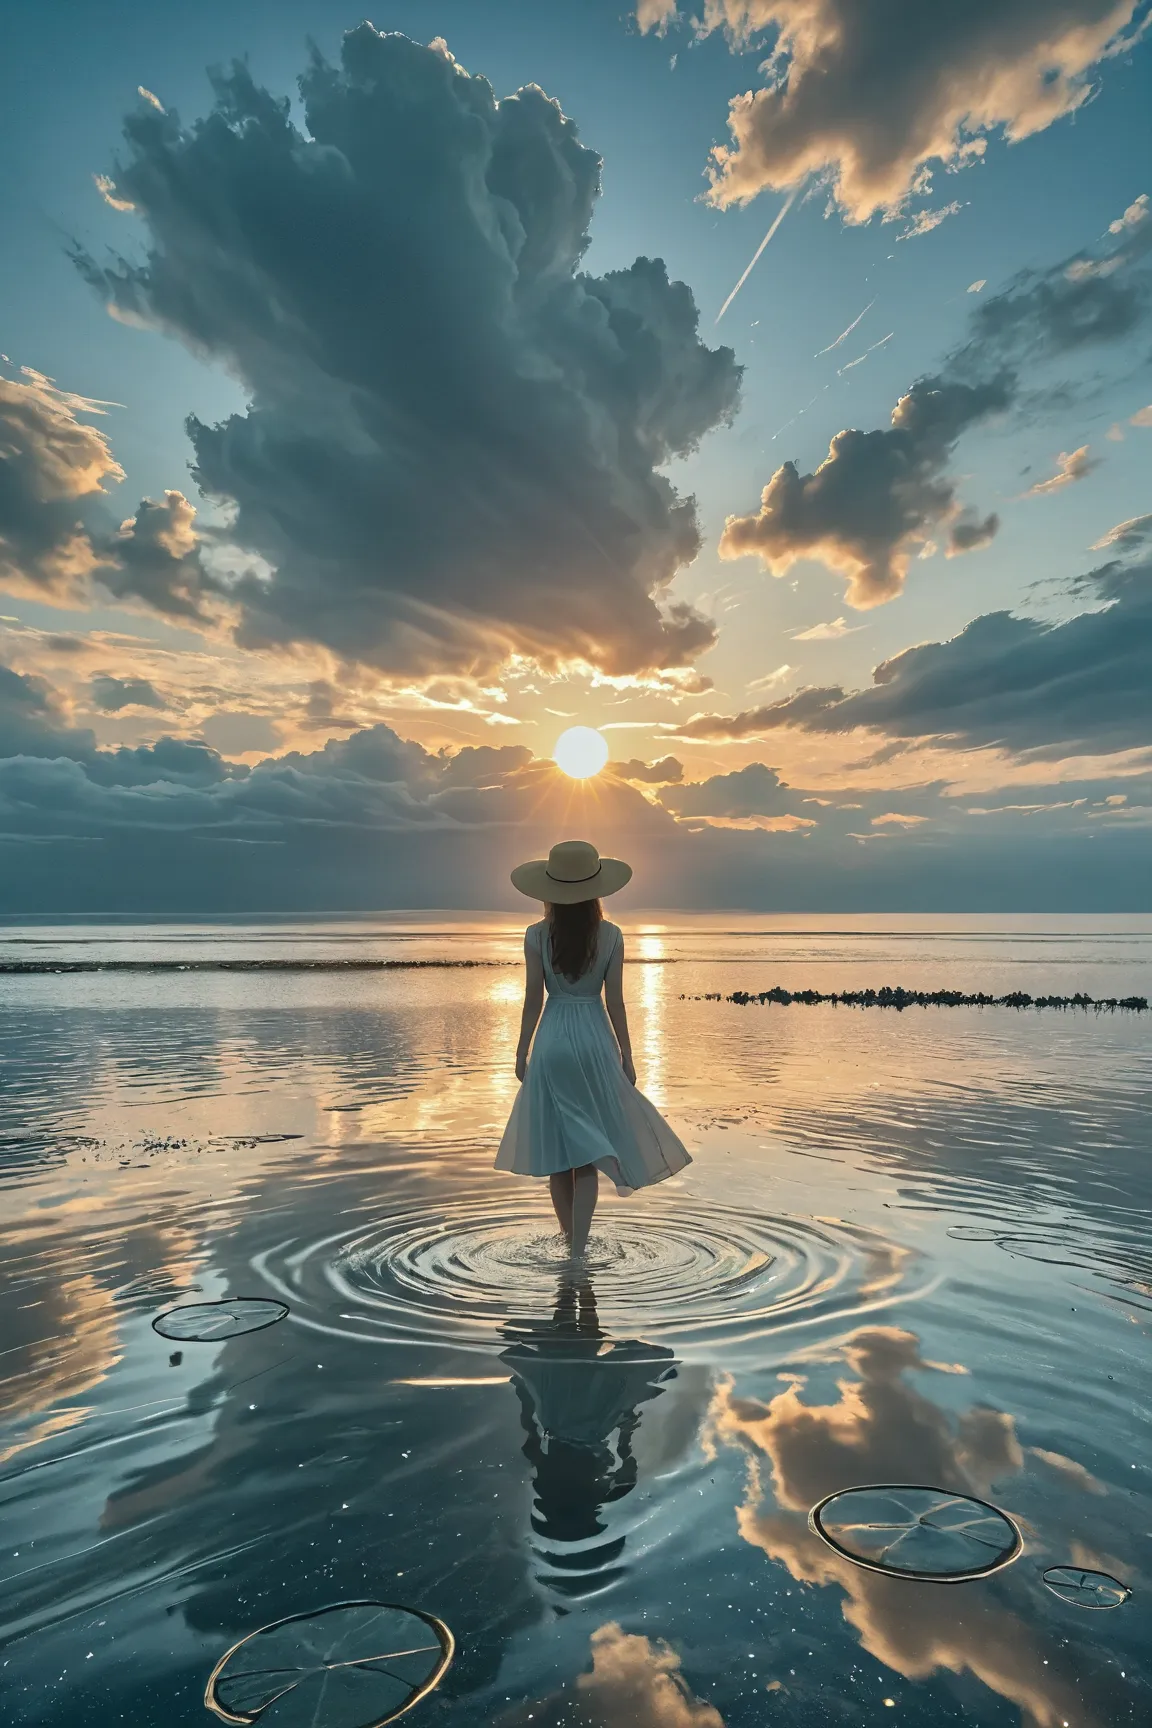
(870, 98)
(110, 693)
(876, 497)
(1078, 687)
(452, 446)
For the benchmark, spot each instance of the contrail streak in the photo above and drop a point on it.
(847, 367)
(780, 215)
(843, 333)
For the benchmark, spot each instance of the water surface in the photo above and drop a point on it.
(911, 1249)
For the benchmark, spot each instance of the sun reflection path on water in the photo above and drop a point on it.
(649, 943)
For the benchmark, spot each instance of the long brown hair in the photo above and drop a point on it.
(573, 931)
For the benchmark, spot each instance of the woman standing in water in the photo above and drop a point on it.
(578, 1111)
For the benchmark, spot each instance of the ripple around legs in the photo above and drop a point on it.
(681, 1272)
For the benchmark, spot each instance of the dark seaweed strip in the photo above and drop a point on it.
(899, 998)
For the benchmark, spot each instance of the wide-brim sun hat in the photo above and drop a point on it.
(573, 871)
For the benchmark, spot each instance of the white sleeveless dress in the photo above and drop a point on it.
(576, 1106)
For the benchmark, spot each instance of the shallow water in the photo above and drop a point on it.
(912, 1248)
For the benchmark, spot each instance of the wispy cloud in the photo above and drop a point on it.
(1125, 535)
(769, 679)
(926, 220)
(1071, 465)
(830, 632)
(107, 191)
(845, 333)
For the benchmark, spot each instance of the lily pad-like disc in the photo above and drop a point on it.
(1086, 1589)
(352, 1665)
(912, 1532)
(209, 1322)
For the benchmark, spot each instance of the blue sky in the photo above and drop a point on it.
(257, 672)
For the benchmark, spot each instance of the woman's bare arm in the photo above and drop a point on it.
(533, 1002)
(617, 1013)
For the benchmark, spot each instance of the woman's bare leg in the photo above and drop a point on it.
(585, 1193)
(561, 1185)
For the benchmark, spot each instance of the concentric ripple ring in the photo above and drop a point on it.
(677, 1270)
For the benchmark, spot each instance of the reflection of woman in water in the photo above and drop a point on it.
(579, 1111)
(578, 1390)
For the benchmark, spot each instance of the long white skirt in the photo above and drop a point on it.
(576, 1106)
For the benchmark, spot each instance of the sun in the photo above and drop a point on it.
(580, 752)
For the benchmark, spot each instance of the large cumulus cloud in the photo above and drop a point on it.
(872, 99)
(1081, 686)
(453, 445)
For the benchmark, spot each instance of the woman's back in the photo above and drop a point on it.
(590, 982)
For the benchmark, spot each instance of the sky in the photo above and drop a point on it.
(768, 386)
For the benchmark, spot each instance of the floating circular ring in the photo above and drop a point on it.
(917, 1532)
(1084, 1588)
(373, 1660)
(213, 1322)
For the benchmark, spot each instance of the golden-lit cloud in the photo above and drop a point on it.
(1071, 465)
(881, 1428)
(872, 504)
(635, 1682)
(62, 1337)
(53, 461)
(873, 113)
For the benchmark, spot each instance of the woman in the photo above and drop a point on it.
(578, 1111)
